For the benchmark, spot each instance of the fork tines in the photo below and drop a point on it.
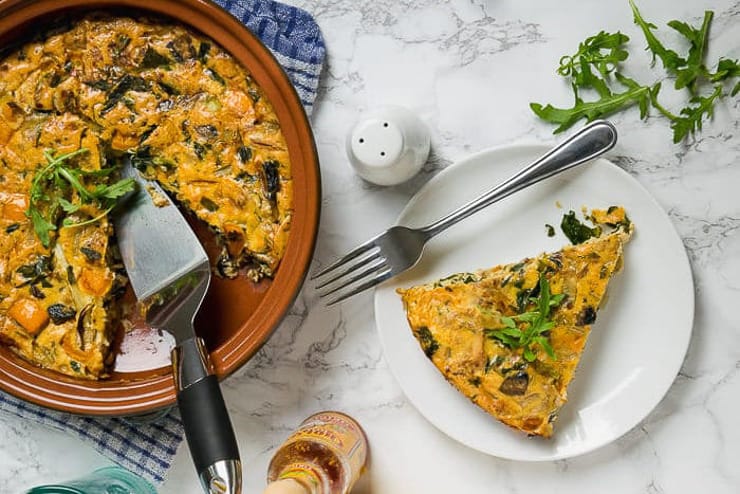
(363, 268)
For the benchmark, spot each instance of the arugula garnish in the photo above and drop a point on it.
(670, 58)
(523, 330)
(688, 75)
(727, 69)
(596, 67)
(603, 51)
(53, 191)
(690, 118)
(591, 110)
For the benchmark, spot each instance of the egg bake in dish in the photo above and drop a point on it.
(510, 338)
(73, 104)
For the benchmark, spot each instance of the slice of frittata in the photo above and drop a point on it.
(510, 337)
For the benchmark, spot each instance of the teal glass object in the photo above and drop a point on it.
(107, 480)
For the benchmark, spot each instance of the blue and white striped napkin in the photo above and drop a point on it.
(293, 37)
(147, 447)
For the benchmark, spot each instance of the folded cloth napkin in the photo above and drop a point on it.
(148, 446)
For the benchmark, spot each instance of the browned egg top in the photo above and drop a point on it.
(184, 111)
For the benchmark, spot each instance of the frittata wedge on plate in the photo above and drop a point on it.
(510, 337)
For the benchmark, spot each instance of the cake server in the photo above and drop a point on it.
(170, 273)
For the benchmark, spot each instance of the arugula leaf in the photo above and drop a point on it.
(603, 51)
(688, 76)
(41, 226)
(48, 178)
(51, 190)
(532, 327)
(591, 110)
(118, 189)
(67, 206)
(545, 344)
(671, 60)
(595, 66)
(691, 119)
(71, 177)
(727, 69)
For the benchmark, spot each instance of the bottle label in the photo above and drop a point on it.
(338, 432)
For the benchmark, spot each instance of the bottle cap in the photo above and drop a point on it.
(388, 145)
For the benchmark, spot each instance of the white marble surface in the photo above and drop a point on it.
(469, 68)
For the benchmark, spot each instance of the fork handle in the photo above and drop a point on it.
(591, 141)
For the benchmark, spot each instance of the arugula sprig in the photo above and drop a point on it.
(603, 51)
(691, 117)
(608, 103)
(57, 182)
(688, 75)
(531, 327)
(727, 69)
(671, 60)
(596, 66)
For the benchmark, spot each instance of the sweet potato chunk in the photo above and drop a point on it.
(29, 314)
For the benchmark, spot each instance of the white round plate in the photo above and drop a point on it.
(636, 345)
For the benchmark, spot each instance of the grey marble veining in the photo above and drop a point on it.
(470, 68)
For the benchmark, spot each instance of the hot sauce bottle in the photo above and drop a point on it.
(325, 455)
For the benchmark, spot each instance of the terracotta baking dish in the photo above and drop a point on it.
(238, 315)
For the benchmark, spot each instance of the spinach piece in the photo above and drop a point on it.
(576, 231)
(428, 343)
(170, 90)
(200, 150)
(127, 83)
(119, 46)
(60, 313)
(215, 76)
(36, 271)
(272, 178)
(92, 255)
(101, 85)
(208, 204)
(203, 50)
(244, 153)
(153, 59)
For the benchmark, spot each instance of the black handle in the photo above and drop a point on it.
(207, 425)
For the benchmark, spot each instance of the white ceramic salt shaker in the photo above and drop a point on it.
(388, 146)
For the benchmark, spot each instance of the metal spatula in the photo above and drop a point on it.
(170, 274)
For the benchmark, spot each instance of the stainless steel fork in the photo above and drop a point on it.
(399, 248)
